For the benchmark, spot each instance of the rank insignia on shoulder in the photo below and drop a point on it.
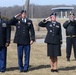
(4, 25)
(57, 26)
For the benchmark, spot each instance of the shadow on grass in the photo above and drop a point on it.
(39, 67)
(42, 67)
(48, 66)
(12, 68)
(68, 68)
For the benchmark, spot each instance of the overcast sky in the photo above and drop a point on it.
(6, 3)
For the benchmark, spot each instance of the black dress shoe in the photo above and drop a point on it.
(52, 70)
(25, 70)
(68, 59)
(2, 71)
(21, 71)
(56, 70)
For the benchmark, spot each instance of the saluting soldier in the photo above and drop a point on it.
(4, 43)
(70, 26)
(24, 37)
(53, 39)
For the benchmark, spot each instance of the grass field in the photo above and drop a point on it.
(39, 62)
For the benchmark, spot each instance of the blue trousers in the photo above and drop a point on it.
(23, 49)
(3, 54)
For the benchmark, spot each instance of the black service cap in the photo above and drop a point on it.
(53, 14)
(23, 11)
(72, 14)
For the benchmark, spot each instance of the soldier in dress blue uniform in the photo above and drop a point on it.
(24, 37)
(4, 43)
(70, 26)
(53, 39)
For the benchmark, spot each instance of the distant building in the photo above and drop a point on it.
(63, 12)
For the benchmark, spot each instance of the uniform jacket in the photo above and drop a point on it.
(5, 31)
(54, 35)
(24, 31)
(70, 27)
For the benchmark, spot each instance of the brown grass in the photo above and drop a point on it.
(39, 62)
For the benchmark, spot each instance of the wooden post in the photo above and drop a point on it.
(27, 7)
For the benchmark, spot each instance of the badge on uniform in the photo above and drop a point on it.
(4, 25)
(50, 25)
(18, 26)
(18, 22)
(29, 23)
(50, 30)
(57, 26)
(54, 24)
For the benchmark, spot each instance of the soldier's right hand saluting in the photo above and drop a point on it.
(71, 18)
(46, 19)
(18, 15)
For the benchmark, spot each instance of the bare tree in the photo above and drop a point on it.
(35, 11)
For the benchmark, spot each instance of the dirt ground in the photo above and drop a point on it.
(39, 62)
